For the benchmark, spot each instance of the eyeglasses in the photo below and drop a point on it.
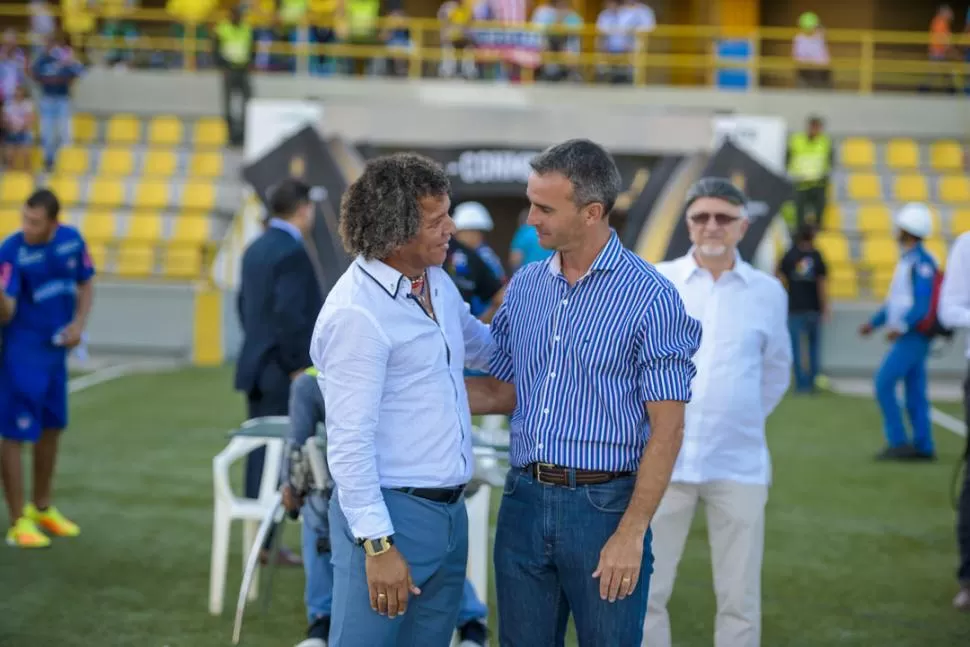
(722, 219)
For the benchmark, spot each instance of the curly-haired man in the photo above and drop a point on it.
(391, 344)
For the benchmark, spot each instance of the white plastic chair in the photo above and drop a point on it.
(269, 432)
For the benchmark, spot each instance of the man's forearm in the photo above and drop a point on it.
(7, 308)
(487, 395)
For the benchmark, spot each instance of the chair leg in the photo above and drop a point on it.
(249, 537)
(221, 530)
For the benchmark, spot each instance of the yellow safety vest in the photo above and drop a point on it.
(292, 11)
(362, 17)
(235, 42)
(312, 372)
(809, 158)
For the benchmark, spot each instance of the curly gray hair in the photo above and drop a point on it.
(381, 210)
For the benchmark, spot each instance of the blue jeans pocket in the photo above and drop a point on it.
(612, 497)
(511, 481)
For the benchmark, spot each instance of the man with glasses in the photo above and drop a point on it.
(743, 370)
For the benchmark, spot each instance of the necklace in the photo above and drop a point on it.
(417, 285)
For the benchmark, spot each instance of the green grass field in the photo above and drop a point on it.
(856, 553)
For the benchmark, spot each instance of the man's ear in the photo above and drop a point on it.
(594, 212)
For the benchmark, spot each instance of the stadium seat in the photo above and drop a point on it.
(937, 249)
(880, 251)
(182, 262)
(151, 194)
(834, 248)
(879, 282)
(857, 153)
(954, 189)
(832, 220)
(9, 222)
(99, 256)
(72, 160)
(190, 230)
(15, 187)
(959, 221)
(200, 196)
(843, 282)
(205, 164)
(123, 129)
(902, 154)
(946, 155)
(106, 192)
(874, 219)
(165, 131)
(210, 132)
(135, 260)
(159, 163)
(910, 188)
(864, 186)
(116, 162)
(99, 226)
(84, 129)
(145, 227)
(67, 189)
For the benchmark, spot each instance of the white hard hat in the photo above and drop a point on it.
(472, 216)
(916, 219)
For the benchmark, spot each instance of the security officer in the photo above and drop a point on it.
(810, 159)
(906, 308)
(473, 221)
(233, 48)
(478, 277)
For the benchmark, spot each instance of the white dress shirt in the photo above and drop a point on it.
(743, 370)
(393, 386)
(954, 306)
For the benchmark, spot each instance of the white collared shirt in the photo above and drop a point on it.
(954, 308)
(743, 370)
(393, 386)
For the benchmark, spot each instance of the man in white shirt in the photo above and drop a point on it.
(391, 344)
(743, 371)
(954, 312)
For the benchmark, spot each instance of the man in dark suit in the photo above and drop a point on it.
(279, 299)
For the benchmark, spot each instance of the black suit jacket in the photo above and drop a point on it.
(279, 300)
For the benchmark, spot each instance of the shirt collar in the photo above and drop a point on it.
(383, 274)
(288, 227)
(741, 269)
(607, 259)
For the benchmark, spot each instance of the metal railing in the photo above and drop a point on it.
(862, 61)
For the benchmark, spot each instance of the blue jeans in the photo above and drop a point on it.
(803, 327)
(906, 361)
(55, 125)
(318, 594)
(547, 546)
(433, 538)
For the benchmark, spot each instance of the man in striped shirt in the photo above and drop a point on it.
(593, 360)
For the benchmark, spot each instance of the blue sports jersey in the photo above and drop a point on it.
(55, 73)
(491, 259)
(9, 279)
(48, 278)
(526, 241)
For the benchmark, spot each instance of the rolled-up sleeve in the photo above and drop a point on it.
(669, 339)
(501, 366)
(351, 351)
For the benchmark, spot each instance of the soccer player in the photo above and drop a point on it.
(48, 265)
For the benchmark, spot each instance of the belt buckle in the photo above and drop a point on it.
(539, 467)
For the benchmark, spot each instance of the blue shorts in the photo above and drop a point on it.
(31, 401)
(24, 138)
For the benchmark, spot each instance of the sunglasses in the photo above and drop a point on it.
(722, 219)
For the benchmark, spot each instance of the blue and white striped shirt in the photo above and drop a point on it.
(586, 359)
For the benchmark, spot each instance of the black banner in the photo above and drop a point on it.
(305, 155)
(766, 191)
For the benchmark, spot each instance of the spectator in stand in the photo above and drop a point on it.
(811, 53)
(620, 24)
(803, 271)
(457, 50)
(18, 130)
(810, 158)
(397, 37)
(13, 65)
(233, 49)
(561, 15)
(42, 26)
(941, 48)
(55, 70)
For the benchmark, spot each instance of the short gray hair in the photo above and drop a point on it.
(588, 166)
(717, 187)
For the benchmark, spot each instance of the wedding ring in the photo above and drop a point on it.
(381, 595)
(625, 579)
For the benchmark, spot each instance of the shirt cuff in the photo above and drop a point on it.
(668, 381)
(369, 522)
(501, 367)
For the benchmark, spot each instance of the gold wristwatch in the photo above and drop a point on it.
(375, 547)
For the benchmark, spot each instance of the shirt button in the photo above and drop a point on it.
(545, 411)
(552, 375)
(565, 302)
(539, 446)
(556, 338)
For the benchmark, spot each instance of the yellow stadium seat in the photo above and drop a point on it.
(959, 221)
(198, 196)
(880, 251)
(9, 222)
(72, 160)
(99, 226)
(210, 132)
(865, 186)
(879, 282)
(834, 247)
(832, 220)
(946, 155)
(858, 153)
(116, 162)
(182, 261)
(191, 230)
(135, 260)
(937, 249)
(145, 227)
(205, 164)
(84, 129)
(874, 219)
(151, 194)
(842, 282)
(67, 189)
(123, 129)
(15, 187)
(165, 131)
(106, 192)
(159, 163)
(910, 188)
(99, 256)
(902, 154)
(954, 189)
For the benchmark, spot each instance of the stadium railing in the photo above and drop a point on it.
(862, 61)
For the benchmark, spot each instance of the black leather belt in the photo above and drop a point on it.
(549, 474)
(437, 494)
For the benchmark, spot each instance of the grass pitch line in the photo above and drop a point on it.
(101, 376)
(948, 422)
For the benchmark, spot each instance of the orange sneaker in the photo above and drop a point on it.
(52, 521)
(26, 534)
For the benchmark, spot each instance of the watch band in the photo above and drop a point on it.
(374, 547)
